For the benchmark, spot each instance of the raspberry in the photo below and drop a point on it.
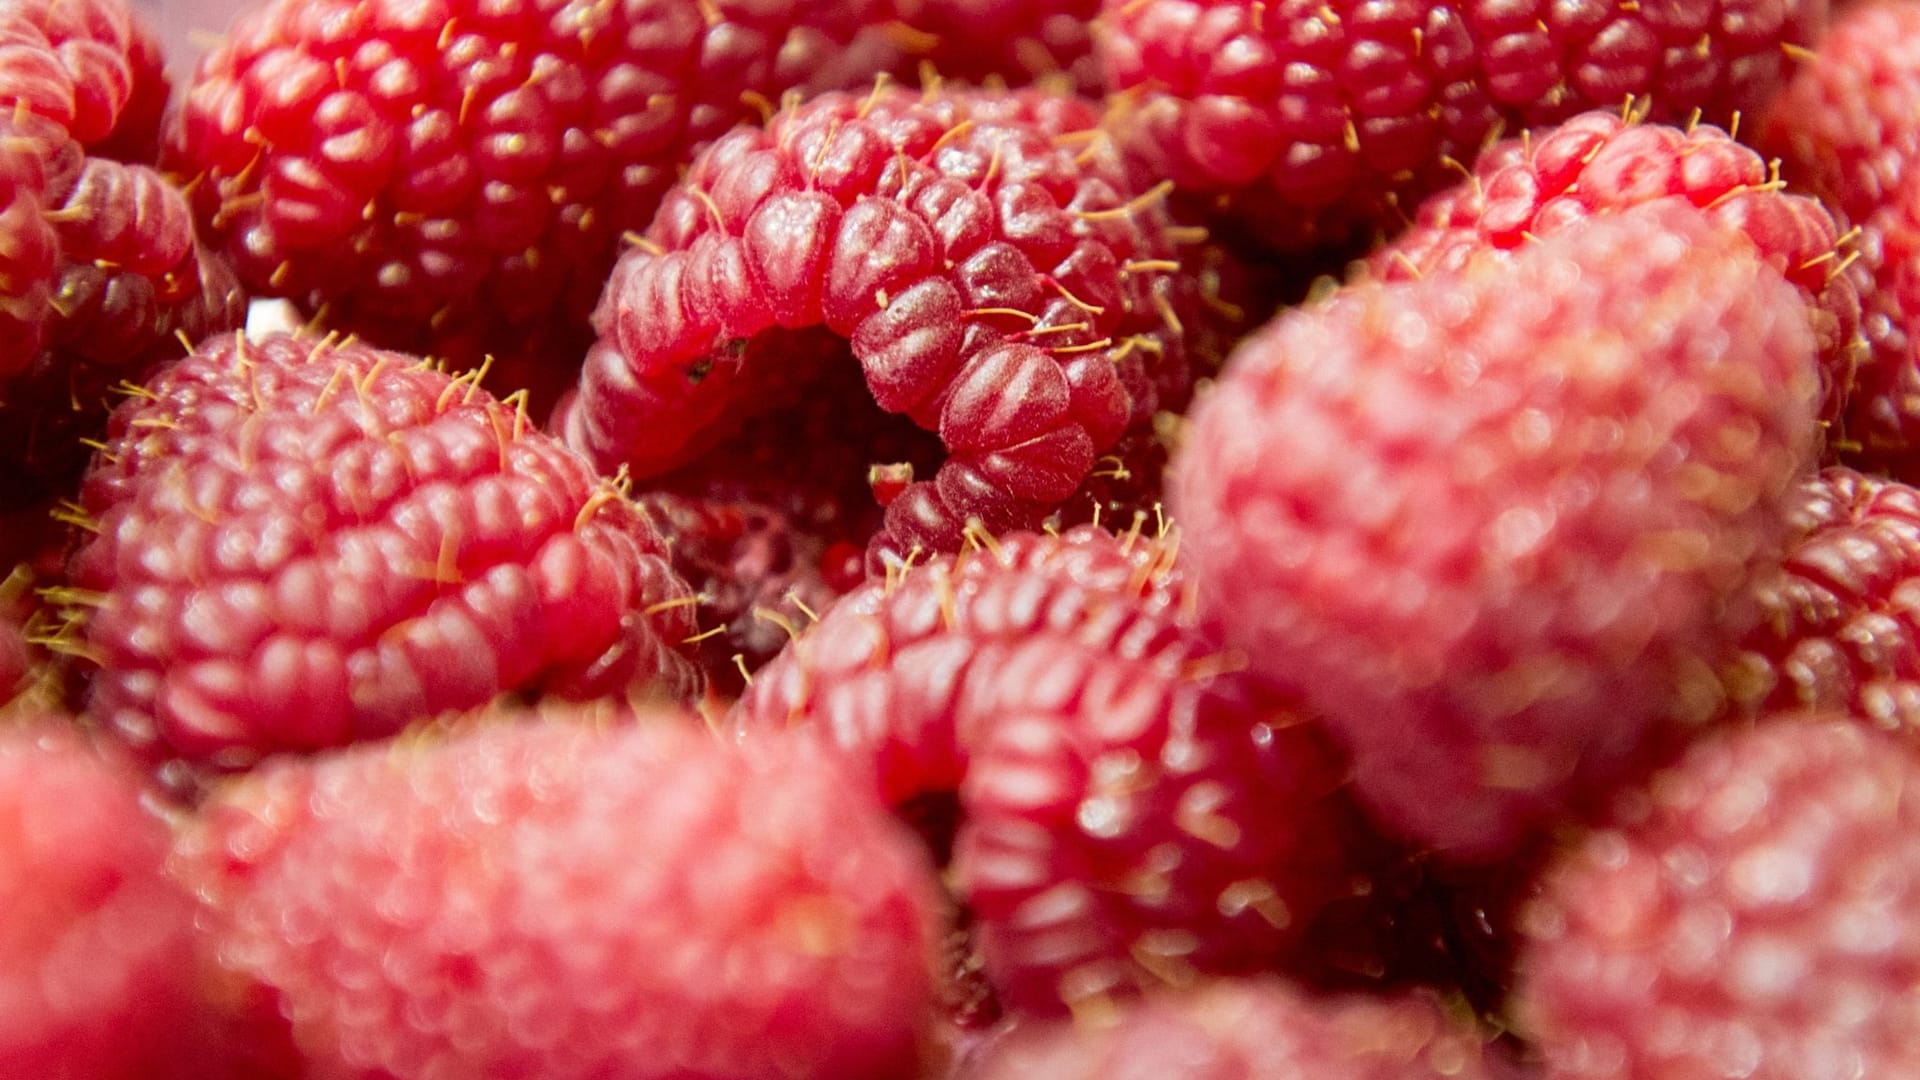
(1017, 41)
(550, 896)
(1253, 1028)
(1596, 163)
(101, 268)
(994, 285)
(1317, 120)
(755, 571)
(1836, 631)
(97, 943)
(297, 543)
(1492, 524)
(450, 177)
(1754, 913)
(1126, 814)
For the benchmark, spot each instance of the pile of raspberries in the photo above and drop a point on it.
(961, 540)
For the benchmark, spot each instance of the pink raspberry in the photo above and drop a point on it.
(1251, 1029)
(296, 543)
(978, 254)
(1596, 163)
(1127, 812)
(564, 896)
(1753, 913)
(1014, 41)
(1493, 525)
(1836, 630)
(96, 949)
(1317, 120)
(454, 178)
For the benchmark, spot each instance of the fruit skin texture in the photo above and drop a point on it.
(1128, 813)
(1846, 128)
(102, 268)
(1493, 525)
(1837, 631)
(301, 543)
(448, 176)
(981, 255)
(552, 896)
(1595, 164)
(1753, 913)
(1251, 1029)
(1314, 119)
(97, 943)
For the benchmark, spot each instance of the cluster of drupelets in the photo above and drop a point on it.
(961, 538)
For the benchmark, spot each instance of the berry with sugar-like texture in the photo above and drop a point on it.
(570, 895)
(296, 542)
(1754, 912)
(978, 255)
(1495, 525)
(1597, 163)
(1318, 120)
(1130, 809)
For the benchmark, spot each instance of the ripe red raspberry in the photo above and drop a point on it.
(96, 947)
(1320, 119)
(553, 896)
(995, 278)
(1596, 163)
(1836, 630)
(1492, 524)
(99, 264)
(1755, 913)
(1127, 814)
(297, 543)
(1253, 1029)
(449, 177)
(1015, 41)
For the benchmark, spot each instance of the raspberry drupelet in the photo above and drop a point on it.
(981, 258)
(567, 895)
(295, 543)
(1319, 120)
(453, 178)
(1496, 525)
(1848, 127)
(101, 273)
(1753, 911)
(1837, 630)
(1597, 163)
(1130, 810)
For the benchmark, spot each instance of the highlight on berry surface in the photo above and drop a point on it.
(1005, 291)
(298, 542)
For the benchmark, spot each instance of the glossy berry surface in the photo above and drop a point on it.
(1129, 812)
(1317, 120)
(980, 255)
(1836, 630)
(569, 896)
(1594, 164)
(1487, 522)
(296, 543)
